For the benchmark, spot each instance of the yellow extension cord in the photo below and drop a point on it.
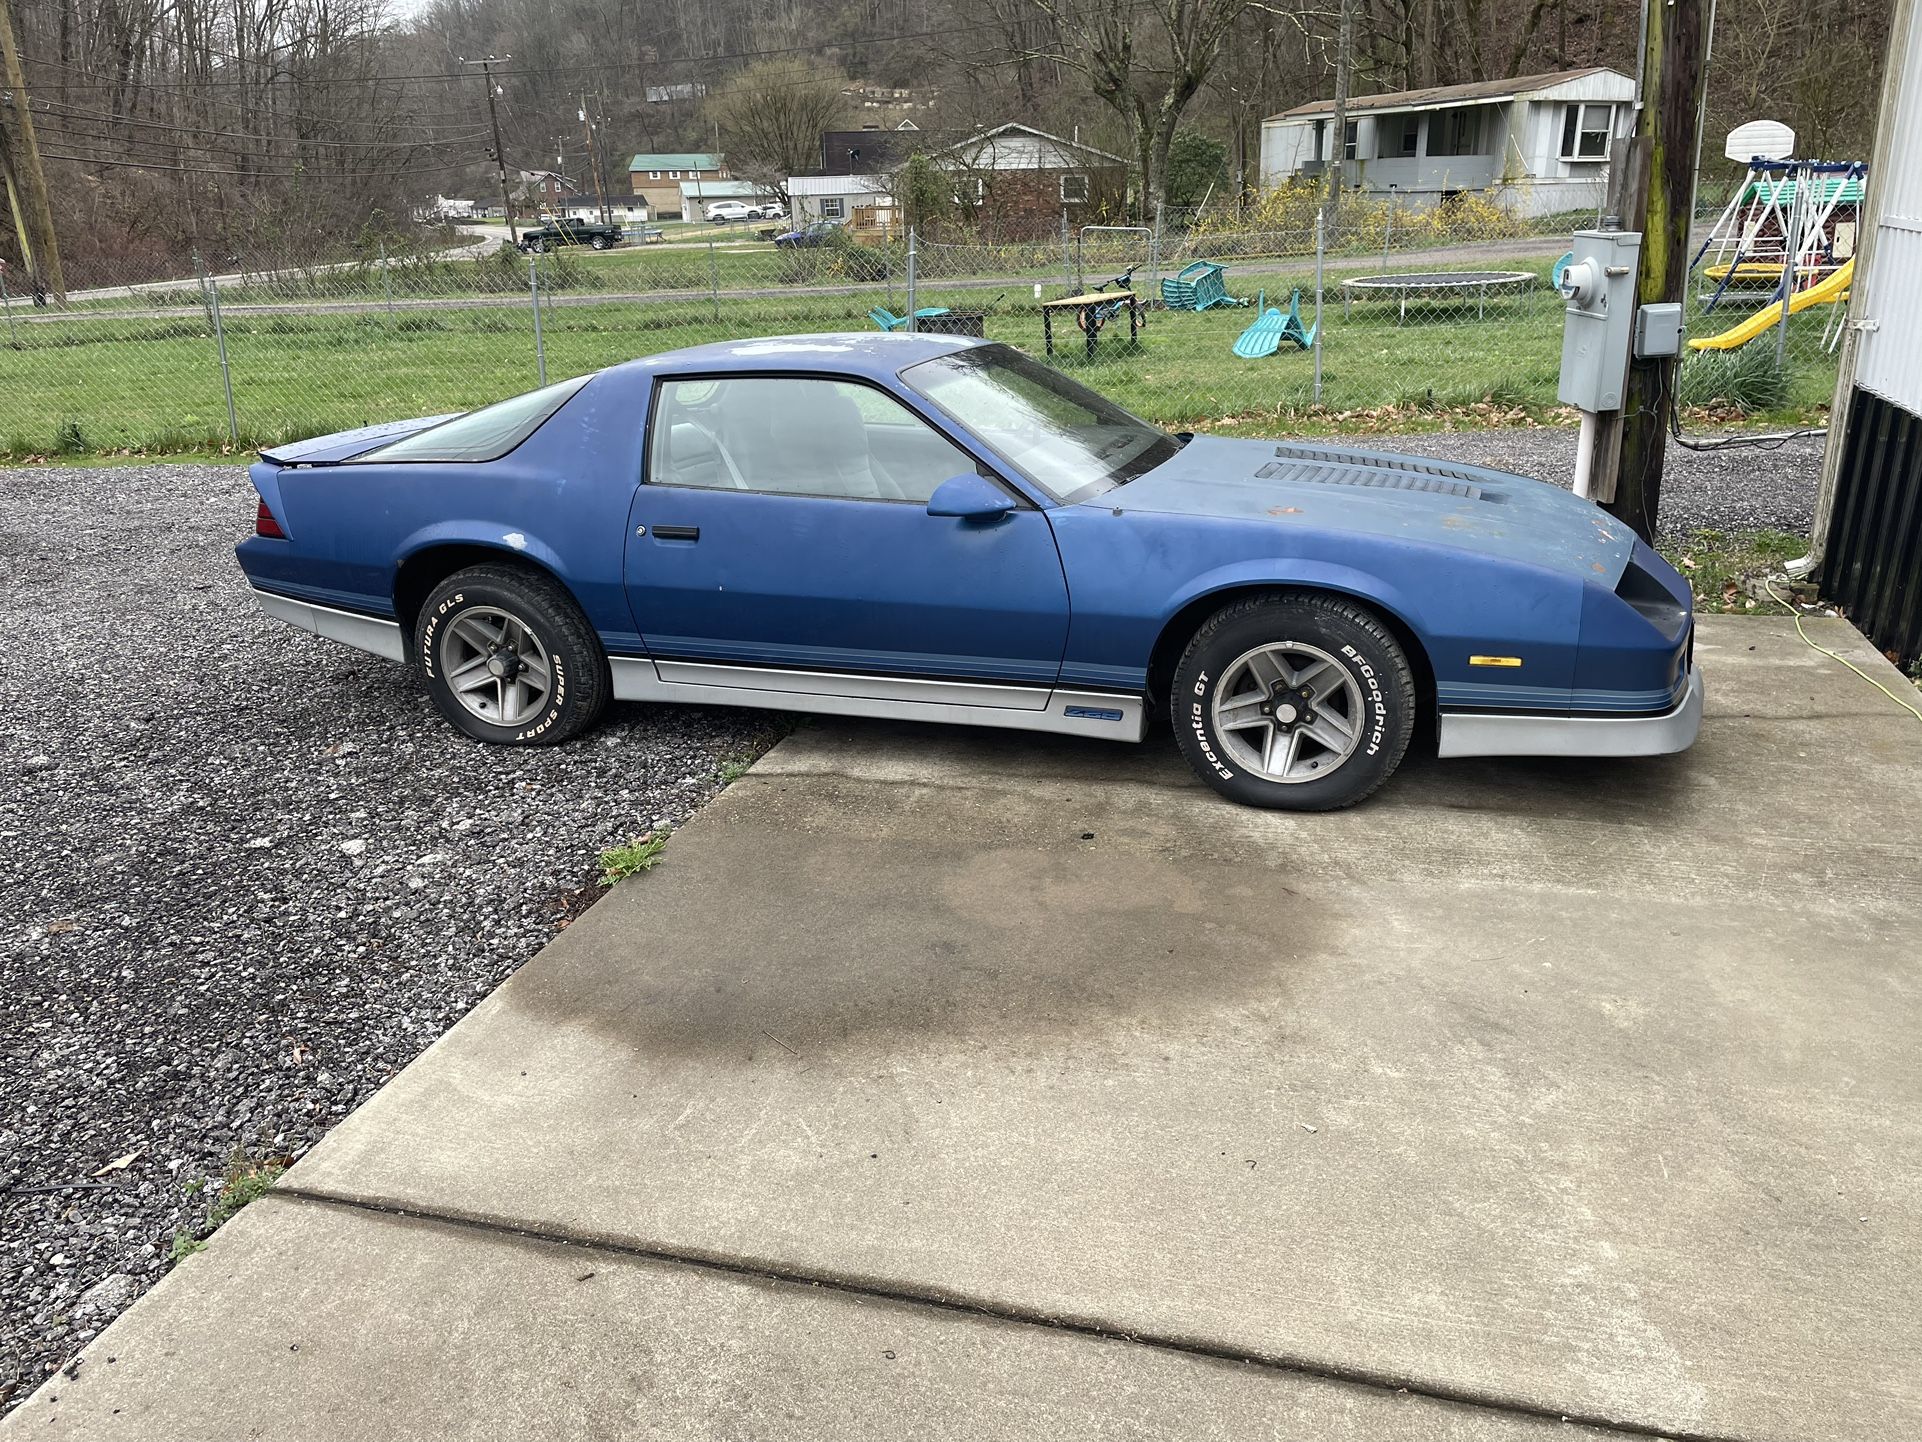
(1913, 710)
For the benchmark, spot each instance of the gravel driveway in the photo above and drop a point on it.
(1744, 489)
(249, 874)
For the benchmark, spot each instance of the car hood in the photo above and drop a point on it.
(342, 445)
(1403, 498)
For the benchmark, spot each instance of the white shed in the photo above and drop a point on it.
(837, 197)
(1538, 142)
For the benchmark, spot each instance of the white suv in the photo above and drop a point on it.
(722, 210)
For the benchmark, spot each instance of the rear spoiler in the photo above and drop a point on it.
(345, 445)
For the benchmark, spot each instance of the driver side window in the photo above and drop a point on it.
(796, 436)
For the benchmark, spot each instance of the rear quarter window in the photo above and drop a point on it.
(483, 435)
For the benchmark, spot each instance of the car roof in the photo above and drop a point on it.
(876, 354)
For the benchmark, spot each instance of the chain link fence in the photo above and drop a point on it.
(1395, 315)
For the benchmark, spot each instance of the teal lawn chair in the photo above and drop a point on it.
(1263, 335)
(1293, 329)
(888, 320)
(1270, 328)
(1197, 287)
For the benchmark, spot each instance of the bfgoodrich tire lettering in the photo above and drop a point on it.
(509, 658)
(1299, 702)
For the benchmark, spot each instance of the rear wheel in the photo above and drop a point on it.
(1303, 703)
(599, 242)
(509, 658)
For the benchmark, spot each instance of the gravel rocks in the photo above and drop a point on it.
(245, 876)
(1743, 489)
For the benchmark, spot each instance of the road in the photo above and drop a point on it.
(1295, 267)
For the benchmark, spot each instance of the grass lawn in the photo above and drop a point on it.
(91, 385)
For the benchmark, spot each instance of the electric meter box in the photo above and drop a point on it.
(1599, 287)
(1658, 331)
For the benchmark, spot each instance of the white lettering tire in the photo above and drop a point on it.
(1297, 702)
(509, 658)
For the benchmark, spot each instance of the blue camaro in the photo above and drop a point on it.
(944, 529)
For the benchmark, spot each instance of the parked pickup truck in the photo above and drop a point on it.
(550, 233)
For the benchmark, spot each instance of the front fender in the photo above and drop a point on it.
(1298, 572)
(1130, 576)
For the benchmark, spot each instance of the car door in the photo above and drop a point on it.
(782, 526)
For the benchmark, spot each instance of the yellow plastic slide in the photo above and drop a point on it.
(1827, 292)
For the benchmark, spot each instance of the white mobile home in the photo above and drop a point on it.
(836, 198)
(1540, 142)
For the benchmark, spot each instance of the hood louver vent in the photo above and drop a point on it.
(1331, 473)
(1396, 473)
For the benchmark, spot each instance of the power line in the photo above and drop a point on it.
(415, 119)
(178, 169)
(601, 67)
(60, 112)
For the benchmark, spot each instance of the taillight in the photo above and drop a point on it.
(266, 525)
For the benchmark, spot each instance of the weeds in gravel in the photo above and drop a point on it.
(1744, 381)
(245, 1180)
(1725, 567)
(734, 768)
(620, 862)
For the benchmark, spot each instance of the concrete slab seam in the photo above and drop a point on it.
(769, 1271)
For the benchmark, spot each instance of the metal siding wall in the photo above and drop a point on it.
(1872, 558)
(1874, 563)
(1889, 360)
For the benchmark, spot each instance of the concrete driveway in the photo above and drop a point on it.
(948, 1083)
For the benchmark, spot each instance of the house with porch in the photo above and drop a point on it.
(1535, 144)
(657, 179)
(862, 201)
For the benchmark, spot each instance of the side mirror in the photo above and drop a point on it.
(971, 498)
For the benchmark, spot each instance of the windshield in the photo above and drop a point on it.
(1056, 432)
(483, 435)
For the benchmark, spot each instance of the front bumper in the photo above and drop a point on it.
(363, 633)
(1469, 733)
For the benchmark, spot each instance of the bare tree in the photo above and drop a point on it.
(770, 117)
(1149, 81)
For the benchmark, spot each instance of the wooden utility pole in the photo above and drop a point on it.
(26, 183)
(594, 161)
(500, 156)
(1662, 168)
(1338, 162)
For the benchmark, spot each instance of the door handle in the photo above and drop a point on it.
(677, 533)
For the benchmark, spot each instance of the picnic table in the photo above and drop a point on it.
(1088, 311)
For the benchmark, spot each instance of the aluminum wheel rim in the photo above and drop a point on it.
(496, 666)
(1288, 712)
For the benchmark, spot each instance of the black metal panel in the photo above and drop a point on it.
(1872, 566)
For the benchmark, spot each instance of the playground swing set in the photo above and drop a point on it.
(1790, 227)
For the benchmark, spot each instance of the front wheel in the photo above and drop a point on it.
(509, 658)
(1302, 703)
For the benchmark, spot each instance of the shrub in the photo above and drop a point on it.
(1744, 379)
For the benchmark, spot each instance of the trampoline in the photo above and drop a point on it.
(1432, 285)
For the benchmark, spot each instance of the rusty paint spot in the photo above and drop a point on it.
(1598, 566)
(1284, 510)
